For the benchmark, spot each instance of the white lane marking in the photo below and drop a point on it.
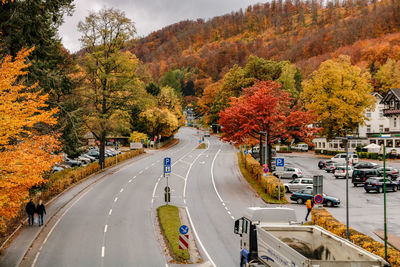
(223, 203)
(115, 199)
(180, 176)
(130, 180)
(226, 208)
(233, 218)
(197, 237)
(109, 213)
(141, 172)
(212, 176)
(229, 212)
(54, 226)
(121, 190)
(155, 187)
(102, 251)
(188, 163)
(105, 228)
(152, 164)
(146, 168)
(134, 177)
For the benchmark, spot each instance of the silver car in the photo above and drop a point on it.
(288, 172)
(298, 184)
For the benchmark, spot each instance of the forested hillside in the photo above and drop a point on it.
(303, 32)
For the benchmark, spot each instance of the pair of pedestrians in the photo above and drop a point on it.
(31, 209)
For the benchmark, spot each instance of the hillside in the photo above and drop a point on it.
(302, 32)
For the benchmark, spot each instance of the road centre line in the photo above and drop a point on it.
(109, 213)
(130, 181)
(141, 172)
(115, 199)
(102, 251)
(121, 190)
(105, 228)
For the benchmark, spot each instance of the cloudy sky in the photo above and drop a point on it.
(148, 15)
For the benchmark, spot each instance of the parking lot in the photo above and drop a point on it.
(365, 209)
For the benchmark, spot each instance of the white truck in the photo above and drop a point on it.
(272, 237)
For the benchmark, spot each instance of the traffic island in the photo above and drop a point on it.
(269, 188)
(169, 218)
(202, 146)
(323, 218)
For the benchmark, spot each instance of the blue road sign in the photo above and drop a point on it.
(167, 165)
(280, 162)
(183, 229)
(246, 152)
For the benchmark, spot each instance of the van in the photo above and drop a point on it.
(341, 158)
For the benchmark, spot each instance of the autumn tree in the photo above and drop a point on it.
(159, 121)
(388, 75)
(339, 93)
(26, 154)
(110, 74)
(264, 111)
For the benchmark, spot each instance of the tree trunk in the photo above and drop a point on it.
(102, 150)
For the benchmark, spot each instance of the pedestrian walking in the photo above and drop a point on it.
(309, 206)
(30, 209)
(40, 210)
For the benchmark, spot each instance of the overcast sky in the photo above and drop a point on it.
(148, 15)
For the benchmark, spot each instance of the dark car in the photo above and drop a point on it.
(301, 197)
(94, 153)
(321, 164)
(366, 165)
(361, 175)
(376, 184)
(391, 173)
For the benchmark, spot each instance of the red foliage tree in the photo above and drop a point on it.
(265, 110)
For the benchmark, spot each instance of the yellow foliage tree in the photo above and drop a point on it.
(389, 75)
(25, 153)
(339, 93)
(159, 121)
(137, 136)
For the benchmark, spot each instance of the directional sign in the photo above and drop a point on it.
(183, 229)
(280, 162)
(183, 241)
(318, 199)
(167, 165)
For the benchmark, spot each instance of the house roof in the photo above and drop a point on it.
(392, 93)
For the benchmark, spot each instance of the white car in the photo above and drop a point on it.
(288, 172)
(341, 158)
(340, 172)
(298, 184)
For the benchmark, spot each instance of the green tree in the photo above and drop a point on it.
(110, 74)
(339, 93)
(153, 89)
(159, 121)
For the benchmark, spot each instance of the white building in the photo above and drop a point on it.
(375, 124)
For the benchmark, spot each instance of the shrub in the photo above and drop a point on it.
(324, 219)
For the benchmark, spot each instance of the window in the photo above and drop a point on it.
(381, 142)
(323, 145)
(380, 128)
(389, 143)
(395, 123)
(381, 113)
(372, 141)
(368, 128)
(368, 114)
(397, 142)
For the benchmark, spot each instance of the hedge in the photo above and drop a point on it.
(324, 219)
(56, 183)
(271, 183)
(328, 152)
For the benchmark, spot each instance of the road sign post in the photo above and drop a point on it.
(167, 171)
(318, 188)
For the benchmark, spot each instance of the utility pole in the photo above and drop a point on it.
(347, 188)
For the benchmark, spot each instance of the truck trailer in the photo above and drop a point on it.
(273, 237)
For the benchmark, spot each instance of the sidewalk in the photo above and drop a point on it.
(16, 250)
(392, 240)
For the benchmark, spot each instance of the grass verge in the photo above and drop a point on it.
(170, 222)
(202, 146)
(256, 186)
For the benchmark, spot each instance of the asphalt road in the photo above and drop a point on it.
(114, 222)
(365, 209)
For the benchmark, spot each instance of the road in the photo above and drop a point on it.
(365, 209)
(114, 222)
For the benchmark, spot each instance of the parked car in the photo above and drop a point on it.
(341, 158)
(72, 163)
(340, 172)
(207, 134)
(84, 160)
(321, 164)
(301, 197)
(376, 184)
(366, 165)
(92, 159)
(298, 184)
(300, 147)
(390, 172)
(361, 175)
(288, 172)
(94, 153)
(330, 167)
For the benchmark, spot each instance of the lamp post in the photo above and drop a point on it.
(347, 188)
(384, 191)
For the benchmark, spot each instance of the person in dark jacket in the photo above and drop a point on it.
(30, 209)
(40, 210)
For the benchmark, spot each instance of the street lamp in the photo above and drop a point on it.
(384, 190)
(346, 139)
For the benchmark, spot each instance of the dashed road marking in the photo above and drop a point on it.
(130, 180)
(105, 228)
(121, 190)
(102, 251)
(109, 213)
(115, 199)
(141, 172)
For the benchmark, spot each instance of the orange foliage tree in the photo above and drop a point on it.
(26, 153)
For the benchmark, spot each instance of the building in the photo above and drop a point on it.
(376, 123)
